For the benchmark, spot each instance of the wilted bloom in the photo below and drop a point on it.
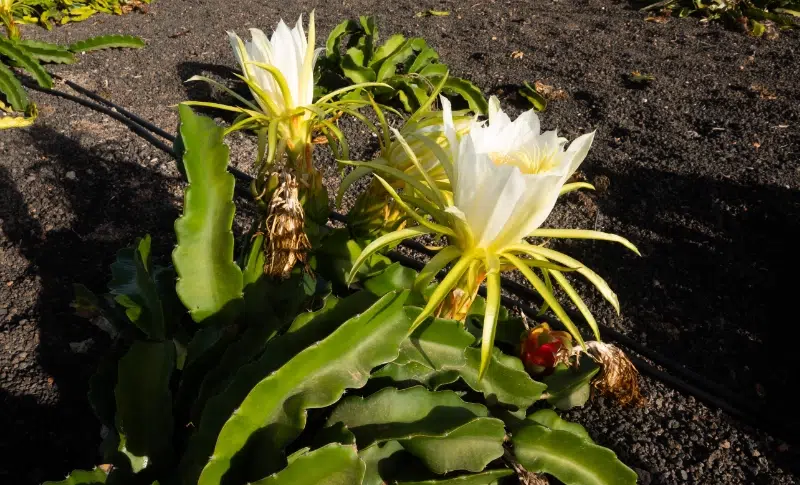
(542, 349)
(619, 378)
(285, 241)
(280, 70)
(504, 179)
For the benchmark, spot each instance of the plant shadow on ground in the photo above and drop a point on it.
(711, 290)
(66, 434)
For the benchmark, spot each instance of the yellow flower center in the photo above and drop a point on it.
(529, 162)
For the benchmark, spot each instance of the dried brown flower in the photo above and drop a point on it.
(285, 241)
(619, 378)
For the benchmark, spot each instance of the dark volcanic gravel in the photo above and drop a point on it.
(699, 169)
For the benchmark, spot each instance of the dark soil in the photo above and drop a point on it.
(699, 169)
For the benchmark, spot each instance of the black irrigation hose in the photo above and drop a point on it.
(720, 398)
(140, 130)
(92, 95)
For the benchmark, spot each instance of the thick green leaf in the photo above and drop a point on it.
(489, 477)
(439, 428)
(331, 465)
(388, 67)
(409, 375)
(307, 329)
(353, 67)
(505, 381)
(471, 93)
(425, 57)
(568, 457)
(144, 400)
(437, 343)
(46, 52)
(550, 419)
(316, 377)
(394, 278)
(12, 89)
(209, 282)
(107, 42)
(337, 433)
(26, 61)
(82, 477)
(134, 288)
(338, 253)
(470, 447)
(334, 42)
(568, 387)
(247, 348)
(538, 101)
(385, 50)
(444, 345)
(388, 462)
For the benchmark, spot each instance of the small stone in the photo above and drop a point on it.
(673, 424)
(81, 347)
(725, 444)
(756, 453)
(684, 475)
(71, 175)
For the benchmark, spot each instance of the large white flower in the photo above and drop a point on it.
(507, 175)
(504, 178)
(279, 71)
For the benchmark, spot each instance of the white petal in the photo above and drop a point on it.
(494, 108)
(501, 193)
(578, 150)
(238, 51)
(532, 209)
(449, 125)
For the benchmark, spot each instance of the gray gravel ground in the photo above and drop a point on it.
(700, 170)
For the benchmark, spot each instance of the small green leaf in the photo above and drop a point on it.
(455, 86)
(331, 465)
(26, 61)
(12, 88)
(144, 400)
(568, 457)
(107, 42)
(550, 419)
(134, 288)
(209, 282)
(538, 101)
(395, 277)
(334, 42)
(82, 477)
(569, 387)
(46, 52)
